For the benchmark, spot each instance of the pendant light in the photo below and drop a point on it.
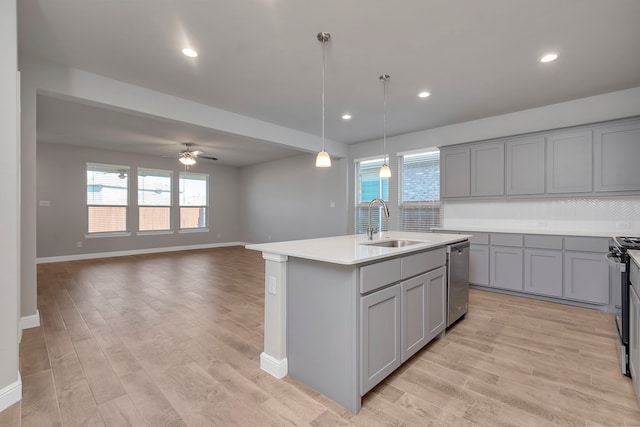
(323, 160)
(385, 171)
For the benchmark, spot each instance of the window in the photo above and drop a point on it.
(419, 191)
(193, 200)
(107, 198)
(154, 200)
(370, 186)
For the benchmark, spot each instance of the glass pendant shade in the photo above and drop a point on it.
(385, 171)
(323, 160)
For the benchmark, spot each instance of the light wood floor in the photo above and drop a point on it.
(174, 339)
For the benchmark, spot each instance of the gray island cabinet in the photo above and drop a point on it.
(352, 321)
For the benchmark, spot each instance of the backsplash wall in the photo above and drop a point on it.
(613, 214)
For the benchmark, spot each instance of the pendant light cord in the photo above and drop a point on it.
(384, 121)
(323, 43)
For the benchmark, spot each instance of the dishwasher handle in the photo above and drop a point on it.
(458, 247)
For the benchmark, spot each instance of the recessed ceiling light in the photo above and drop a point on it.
(549, 57)
(189, 52)
(346, 117)
(424, 94)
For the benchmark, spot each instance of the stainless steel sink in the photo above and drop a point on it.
(392, 243)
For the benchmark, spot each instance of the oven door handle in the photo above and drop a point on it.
(614, 261)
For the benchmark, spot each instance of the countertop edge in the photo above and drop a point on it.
(384, 252)
(569, 233)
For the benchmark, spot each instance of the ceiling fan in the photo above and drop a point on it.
(189, 157)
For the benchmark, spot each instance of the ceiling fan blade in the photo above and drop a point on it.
(208, 157)
(196, 152)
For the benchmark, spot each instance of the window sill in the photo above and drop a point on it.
(112, 234)
(153, 232)
(193, 230)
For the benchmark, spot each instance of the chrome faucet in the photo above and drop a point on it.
(385, 211)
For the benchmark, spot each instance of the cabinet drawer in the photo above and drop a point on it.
(586, 244)
(374, 276)
(543, 242)
(507, 240)
(413, 265)
(479, 238)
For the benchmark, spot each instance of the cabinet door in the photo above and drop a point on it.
(379, 336)
(586, 277)
(487, 169)
(525, 165)
(615, 159)
(479, 264)
(436, 302)
(455, 172)
(634, 342)
(543, 272)
(423, 310)
(415, 303)
(506, 267)
(569, 168)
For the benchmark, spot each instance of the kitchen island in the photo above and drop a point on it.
(342, 313)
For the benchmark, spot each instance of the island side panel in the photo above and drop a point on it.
(274, 357)
(322, 336)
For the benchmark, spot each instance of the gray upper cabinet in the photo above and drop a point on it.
(569, 156)
(455, 172)
(487, 169)
(525, 166)
(616, 155)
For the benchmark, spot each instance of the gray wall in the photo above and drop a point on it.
(614, 105)
(9, 188)
(61, 172)
(290, 199)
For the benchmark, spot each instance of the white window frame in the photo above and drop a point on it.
(116, 168)
(205, 206)
(429, 212)
(170, 205)
(361, 209)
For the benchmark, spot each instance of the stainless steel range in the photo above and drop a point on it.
(619, 261)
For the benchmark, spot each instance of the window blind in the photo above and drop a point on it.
(107, 198)
(154, 200)
(419, 191)
(370, 186)
(194, 190)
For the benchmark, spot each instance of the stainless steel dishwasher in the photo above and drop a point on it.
(457, 281)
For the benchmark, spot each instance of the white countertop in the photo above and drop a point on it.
(635, 255)
(354, 249)
(582, 233)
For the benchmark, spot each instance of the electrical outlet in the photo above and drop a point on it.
(218, 235)
(269, 238)
(271, 285)
(623, 225)
(79, 244)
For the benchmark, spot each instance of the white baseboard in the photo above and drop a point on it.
(79, 257)
(11, 394)
(32, 321)
(276, 367)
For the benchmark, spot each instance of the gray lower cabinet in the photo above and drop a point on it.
(479, 264)
(634, 338)
(423, 310)
(615, 159)
(585, 274)
(380, 336)
(569, 164)
(543, 272)
(506, 267)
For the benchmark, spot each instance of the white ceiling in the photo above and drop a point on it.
(261, 59)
